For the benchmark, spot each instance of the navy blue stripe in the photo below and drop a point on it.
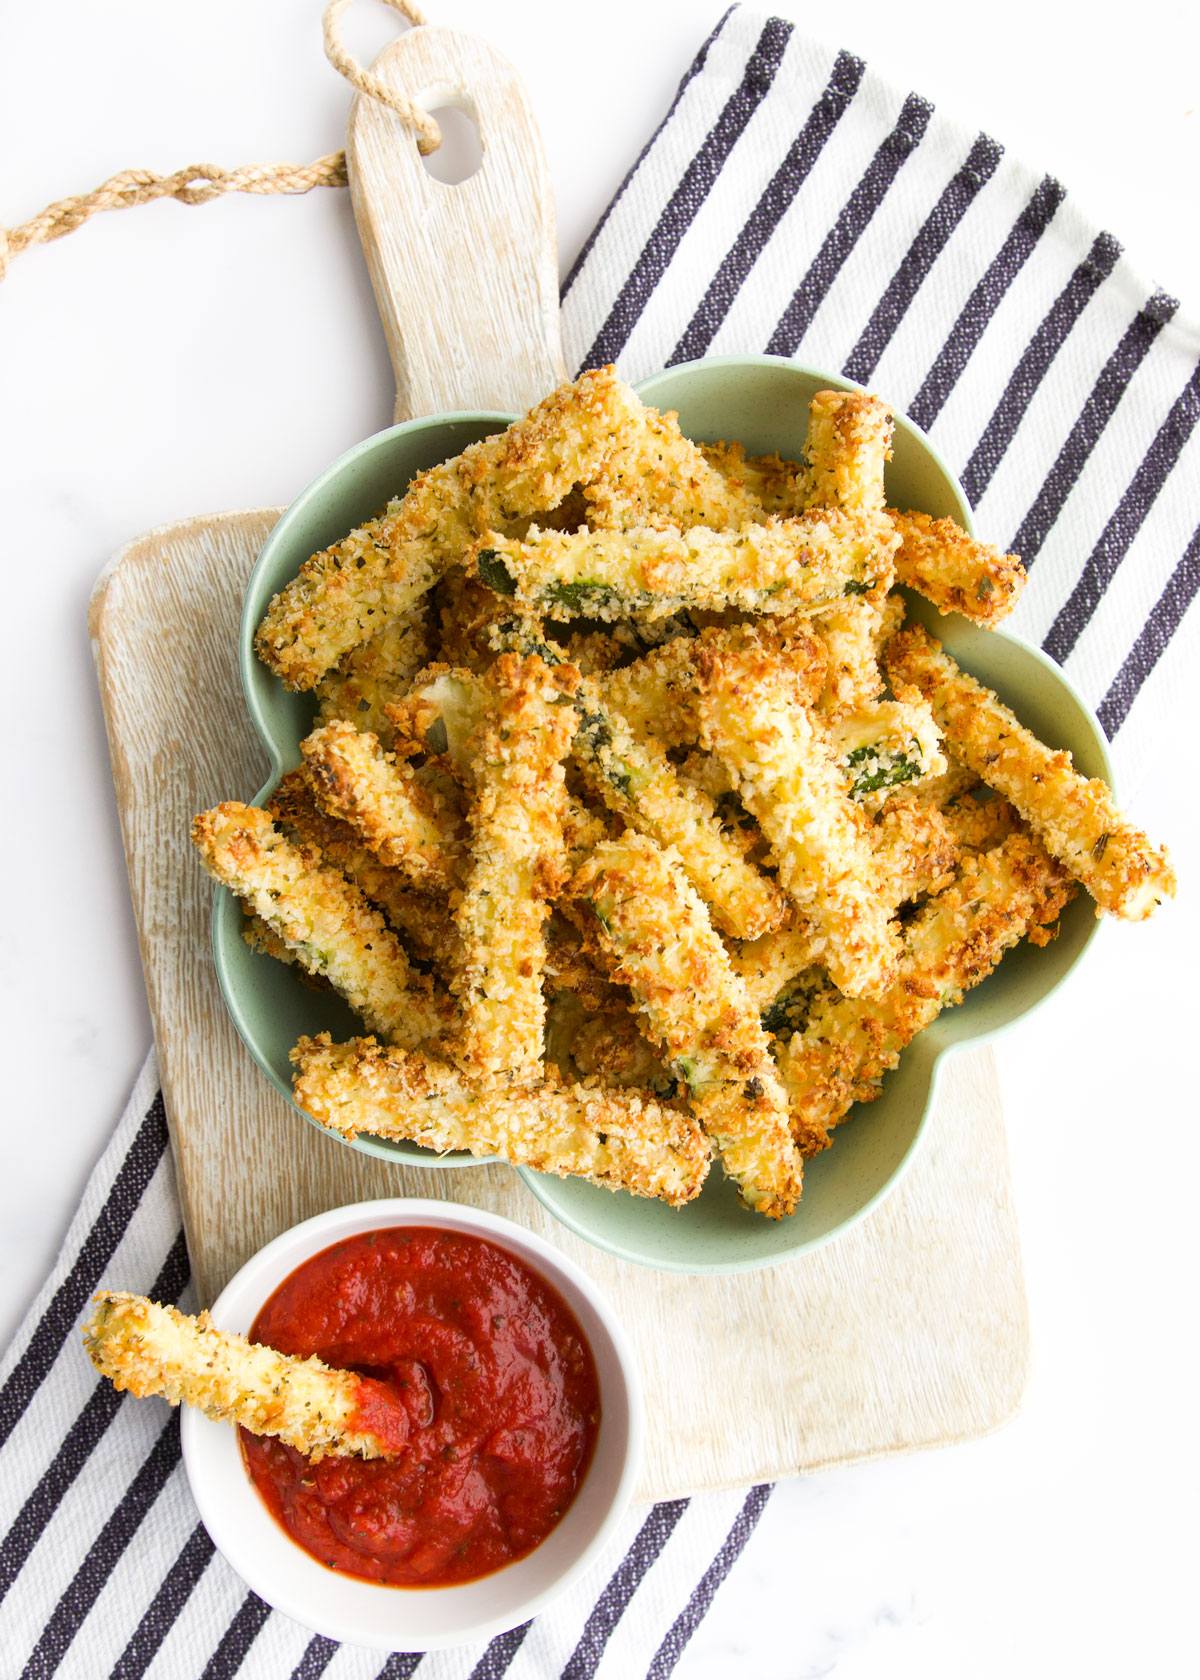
(237, 1639)
(696, 66)
(178, 1585)
(1153, 641)
(1117, 536)
(497, 1659)
(979, 308)
(960, 193)
(862, 204)
(617, 1595)
(400, 1665)
(1102, 401)
(689, 195)
(750, 243)
(1029, 372)
(318, 1654)
(104, 1554)
(82, 1438)
(58, 1321)
(699, 1604)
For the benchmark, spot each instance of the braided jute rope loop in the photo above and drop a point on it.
(204, 181)
(429, 135)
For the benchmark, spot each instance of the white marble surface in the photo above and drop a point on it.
(173, 361)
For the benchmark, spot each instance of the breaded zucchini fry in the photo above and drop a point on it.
(383, 568)
(782, 567)
(978, 818)
(767, 965)
(656, 476)
(1074, 816)
(422, 918)
(849, 440)
(401, 819)
(374, 672)
(659, 694)
(849, 633)
(656, 934)
(619, 1139)
(786, 772)
(518, 864)
(322, 918)
(955, 940)
(915, 848)
(634, 778)
(940, 561)
(151, 1349)
(916, 853)
(776, 484)
(466, 610)
(887, 744)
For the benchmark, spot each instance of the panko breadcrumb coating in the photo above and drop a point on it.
(781, 567)
(518, 864)
(345, 593)
(371, 673)
(633, 777)
(619, 1139)
(939, 560)
(402, 820)
(953, 943)
(659, 694)
(422, 918)
(778, 485)
(151, 1349)
(324, 920)
(1074, 816)
(656, 934)
(656, 476)
(786, 772)
(849, 440)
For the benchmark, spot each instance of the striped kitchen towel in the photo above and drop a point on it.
(793, 202)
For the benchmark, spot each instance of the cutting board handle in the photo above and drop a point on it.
(466, 276)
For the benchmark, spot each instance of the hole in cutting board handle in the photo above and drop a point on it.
(461, 152)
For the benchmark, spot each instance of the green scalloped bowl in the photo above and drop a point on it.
(763, 403)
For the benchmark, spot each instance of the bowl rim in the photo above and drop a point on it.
(206, 1444)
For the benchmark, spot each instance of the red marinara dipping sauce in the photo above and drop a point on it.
(500, 1389)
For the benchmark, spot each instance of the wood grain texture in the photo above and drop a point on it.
(465, 276)
(909, 1331)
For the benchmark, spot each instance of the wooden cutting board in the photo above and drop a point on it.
(909, 1331)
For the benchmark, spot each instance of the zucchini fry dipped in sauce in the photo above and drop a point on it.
(955, 940)
(619, 1139)
(324, 920)
(518, 864)
(786, 773)
(151, 1349)
(346, 593)
(783, 567)
(656, 934)
(1075, 816)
